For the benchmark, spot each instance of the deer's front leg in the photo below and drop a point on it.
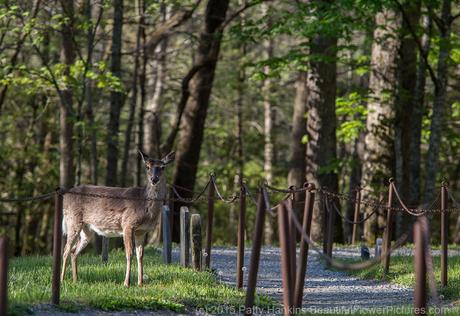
(139, 239)
(128, 240)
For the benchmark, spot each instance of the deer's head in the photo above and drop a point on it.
(155, 167)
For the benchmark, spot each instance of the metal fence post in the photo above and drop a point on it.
(444, 233)
(211, 193)
(166, 234)
(356, 215)
(240, 238)
(255, 254)
(420, 270)
(388, 229)
(284, 236)
(184, 236)
(3, 275)
(303, 256)
(195, 237)
(57, 244)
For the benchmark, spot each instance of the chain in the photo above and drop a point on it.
(27, 199)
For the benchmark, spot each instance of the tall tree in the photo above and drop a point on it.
(116, 97)
(298, 148)
(321, 121)
(444, 24)
(378, 156)
(152, 123)
(268, 127)
(66, 167)
(199, 88)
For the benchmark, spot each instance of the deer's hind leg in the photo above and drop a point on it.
(85, 238)
(73, 230)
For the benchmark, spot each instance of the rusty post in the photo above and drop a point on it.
(330, 233)
(57, 243)
(356, 215)
(388, 229)
(284, 236)
(240, 237)
(3, 275)
(420, 270)
(255, 254)
(211, 192)
(292, 242)
(444, 233)
(303, 256)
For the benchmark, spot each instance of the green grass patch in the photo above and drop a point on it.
(100, 286)
(402, 272)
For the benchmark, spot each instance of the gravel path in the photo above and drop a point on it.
(323, 288)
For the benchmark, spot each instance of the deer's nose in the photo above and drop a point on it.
(155, 179)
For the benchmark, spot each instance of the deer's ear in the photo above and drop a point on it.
(144, 156)
(169, 158)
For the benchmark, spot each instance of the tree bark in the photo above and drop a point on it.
(116, 97)
(378, 158)
(66, 167)
(192, 126)
(321, 123)
(439, 102)
(268, 127)
(407, 71)
(152, 124)
(298, 148)
(417, 115)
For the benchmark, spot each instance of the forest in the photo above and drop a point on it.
(339, 93)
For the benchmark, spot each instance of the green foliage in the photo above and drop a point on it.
(351, 111)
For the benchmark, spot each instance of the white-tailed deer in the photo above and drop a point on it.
(134, 213)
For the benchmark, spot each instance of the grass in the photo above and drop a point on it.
(100, 286)
(402, 272)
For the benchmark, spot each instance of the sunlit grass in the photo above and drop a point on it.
(100, 286)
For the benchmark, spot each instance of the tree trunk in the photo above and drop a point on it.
(407, 69)
(133, 103)
(321, 123)
(298, 148)
(378, 157)
(268, 141)
(439, 102)
(142, 97)
(66, 167)
(116, 97)
(152, 124)
(192, 125)
(417, 115)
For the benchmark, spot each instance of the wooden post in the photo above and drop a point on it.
(292, 242)
(420, 270)
(184, 236)
(303, 256)
(166, 234)
(444, 233)
(283, 229)
(209, 223)
(240, 238)
(3, 275)
(195, 237)
(57, 244)
(388, 229)
(105, 249)
(356, 215)
(330, 233)
(255, 254)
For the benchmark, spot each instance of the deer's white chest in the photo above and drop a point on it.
(106, 232)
